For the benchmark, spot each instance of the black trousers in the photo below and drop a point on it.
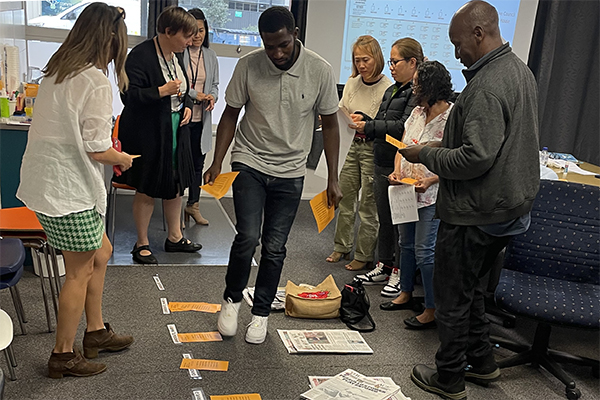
(463, 256)
(195, 139)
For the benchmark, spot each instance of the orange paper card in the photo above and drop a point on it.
(323, 214)
(221, 184)
(204, 365)
(175, 306)
(408, 181)
(395, 142)
(251, 396)
(200, 337)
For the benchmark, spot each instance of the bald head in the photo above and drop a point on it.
(474, 31)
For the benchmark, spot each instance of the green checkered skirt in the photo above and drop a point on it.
(81, 231)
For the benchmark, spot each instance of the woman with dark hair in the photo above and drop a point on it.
(405, 56)
(432, 89)
(62, 178)
(153, 125)
(202, 68)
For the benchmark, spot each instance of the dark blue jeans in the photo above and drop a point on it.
(260, 199)
(195, 138)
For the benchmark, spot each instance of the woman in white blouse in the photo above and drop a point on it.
(62, 177)
(432, 88)
(362, 93)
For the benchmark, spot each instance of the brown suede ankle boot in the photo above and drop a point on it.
(61, 364)
(193, 211)
(104, 339)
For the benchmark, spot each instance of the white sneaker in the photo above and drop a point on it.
(392, 289)
(228, 317)
(257, 330)
(374, 277)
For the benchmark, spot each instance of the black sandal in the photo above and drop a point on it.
(183, 246)
(138, 258)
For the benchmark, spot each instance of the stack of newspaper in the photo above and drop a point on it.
(353, 385)
(324, 341)
(278, 302)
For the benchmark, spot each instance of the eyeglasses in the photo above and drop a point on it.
(392, 63)
(121, 11)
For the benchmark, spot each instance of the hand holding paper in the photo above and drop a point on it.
(221, 185)
(322, 212)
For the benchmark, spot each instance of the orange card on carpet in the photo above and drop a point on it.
(175, 306)
(200, 337)
(204, 365)
(250, 396)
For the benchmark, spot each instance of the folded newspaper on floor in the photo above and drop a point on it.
(324, 341)
(315, 381)
(351, 385)
(278, 302)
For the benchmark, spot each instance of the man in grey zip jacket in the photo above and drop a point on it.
(489, 177)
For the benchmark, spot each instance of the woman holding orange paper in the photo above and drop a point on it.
(432, 89)
(363, 92)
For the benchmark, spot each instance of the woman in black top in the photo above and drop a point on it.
(153, 125)
(397, 104)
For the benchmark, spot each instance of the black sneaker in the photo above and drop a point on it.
(482, 371)
(427, 379)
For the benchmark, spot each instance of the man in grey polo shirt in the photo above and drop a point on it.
(281, 87)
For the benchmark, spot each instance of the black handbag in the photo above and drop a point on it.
(354, 310)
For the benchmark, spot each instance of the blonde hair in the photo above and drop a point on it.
(176, 19)
(369, 45)
(98, 37)
(409, 48)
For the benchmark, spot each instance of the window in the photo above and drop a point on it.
(61, 14)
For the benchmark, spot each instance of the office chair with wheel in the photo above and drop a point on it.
(551, 274)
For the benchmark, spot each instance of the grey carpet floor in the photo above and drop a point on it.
(150, 368)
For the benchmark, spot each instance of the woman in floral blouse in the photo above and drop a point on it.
(432, 87)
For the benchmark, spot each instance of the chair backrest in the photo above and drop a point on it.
(6, 330)
(563, 241)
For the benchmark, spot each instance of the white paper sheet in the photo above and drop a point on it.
(346, 138)
(403, 203)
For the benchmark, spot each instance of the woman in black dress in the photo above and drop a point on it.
(153, 125)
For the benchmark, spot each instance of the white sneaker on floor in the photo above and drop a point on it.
(376, 276)
(392, 289)
(257, 330)
(228, 317)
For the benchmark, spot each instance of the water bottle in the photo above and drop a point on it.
(544, 157)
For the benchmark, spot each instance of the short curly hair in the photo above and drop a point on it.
(434, 83)
(276, 18)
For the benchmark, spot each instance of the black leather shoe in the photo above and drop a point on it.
(482, 371)
(414, 324)
(183, 246)
(391, 306)
(138, 258)
(428, 379)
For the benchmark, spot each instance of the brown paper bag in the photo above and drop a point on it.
(300, 307)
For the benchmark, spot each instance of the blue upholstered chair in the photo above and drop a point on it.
(12, 257)
(551, 274)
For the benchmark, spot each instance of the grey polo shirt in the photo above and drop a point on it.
(275, 133)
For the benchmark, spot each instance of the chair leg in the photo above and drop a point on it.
(164, 221)
(509, 344)
(11, 356)
(11, 369)
(563, 357)
(50, 279)
(18, 296)
(525, 357)
(113, 211)
(18, 309)
(54, 260)
(36, 254)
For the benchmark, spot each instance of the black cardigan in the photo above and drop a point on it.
(390, 119)
(145, 126)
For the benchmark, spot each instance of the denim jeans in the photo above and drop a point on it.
(260, 199)
(388, 251)
(463, 257)
(195, 138)
(417, 244)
